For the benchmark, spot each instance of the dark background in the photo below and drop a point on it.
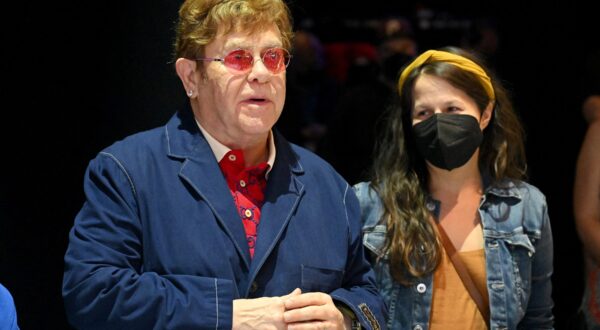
(80, 75)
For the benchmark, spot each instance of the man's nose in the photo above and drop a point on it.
(258, 71)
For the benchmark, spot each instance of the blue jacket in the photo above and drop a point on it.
(158, 243)
(518, 250)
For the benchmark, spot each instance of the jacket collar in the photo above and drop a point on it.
(504, 188)
(183, 136)
(184, 140)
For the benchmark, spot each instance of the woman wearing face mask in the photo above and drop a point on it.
(458, 240)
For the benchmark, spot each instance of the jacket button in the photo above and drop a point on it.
(253, 287)
(421, 288)
(418, 327)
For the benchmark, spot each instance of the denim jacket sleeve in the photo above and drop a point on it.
(519, 256)
(538, 314)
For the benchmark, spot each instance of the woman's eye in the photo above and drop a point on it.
(453, 109)
(421, 113)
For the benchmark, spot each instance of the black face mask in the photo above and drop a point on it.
(448, 140)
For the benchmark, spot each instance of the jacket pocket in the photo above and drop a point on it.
(521, 240)
(316, 279)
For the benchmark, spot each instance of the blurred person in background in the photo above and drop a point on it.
(586, 193)
(586, 203)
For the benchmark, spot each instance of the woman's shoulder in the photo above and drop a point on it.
(527, 198)
(524, 191)
(371, 206)
(364, 190)
(367, 195)
(531, 193)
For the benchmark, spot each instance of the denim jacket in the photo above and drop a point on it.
(518, 252)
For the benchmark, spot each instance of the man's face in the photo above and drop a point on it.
(240, 107)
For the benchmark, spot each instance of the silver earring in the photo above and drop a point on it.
(190, 93)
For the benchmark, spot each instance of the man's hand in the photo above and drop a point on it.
(313, 310)
(261, 313)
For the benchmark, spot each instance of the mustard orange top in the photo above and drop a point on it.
(452, 307)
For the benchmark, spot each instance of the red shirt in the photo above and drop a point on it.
(247, 187)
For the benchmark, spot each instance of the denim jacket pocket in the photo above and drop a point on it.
(315, 279)
(522, 240)
(374, 239)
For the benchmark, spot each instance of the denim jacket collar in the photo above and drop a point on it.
(502, 189)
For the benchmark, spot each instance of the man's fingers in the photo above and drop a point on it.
(309, 313)
(296, 292)
(307, 299)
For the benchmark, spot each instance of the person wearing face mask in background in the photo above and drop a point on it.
(457, 238)
(215, 221)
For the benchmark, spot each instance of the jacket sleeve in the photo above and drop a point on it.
(104, 284)
(359, 291)
(539, 308)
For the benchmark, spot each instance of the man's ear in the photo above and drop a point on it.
(486, 115)
(186, 70)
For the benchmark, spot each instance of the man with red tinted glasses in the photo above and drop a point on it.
(215, 220)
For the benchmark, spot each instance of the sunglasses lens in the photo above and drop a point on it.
(275, 59)
(239, 60)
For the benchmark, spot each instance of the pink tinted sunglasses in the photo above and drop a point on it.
(241, 61)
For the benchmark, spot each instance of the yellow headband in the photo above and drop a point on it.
(457, 60)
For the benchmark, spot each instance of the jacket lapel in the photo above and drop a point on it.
(201, 171)
(283, 195)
